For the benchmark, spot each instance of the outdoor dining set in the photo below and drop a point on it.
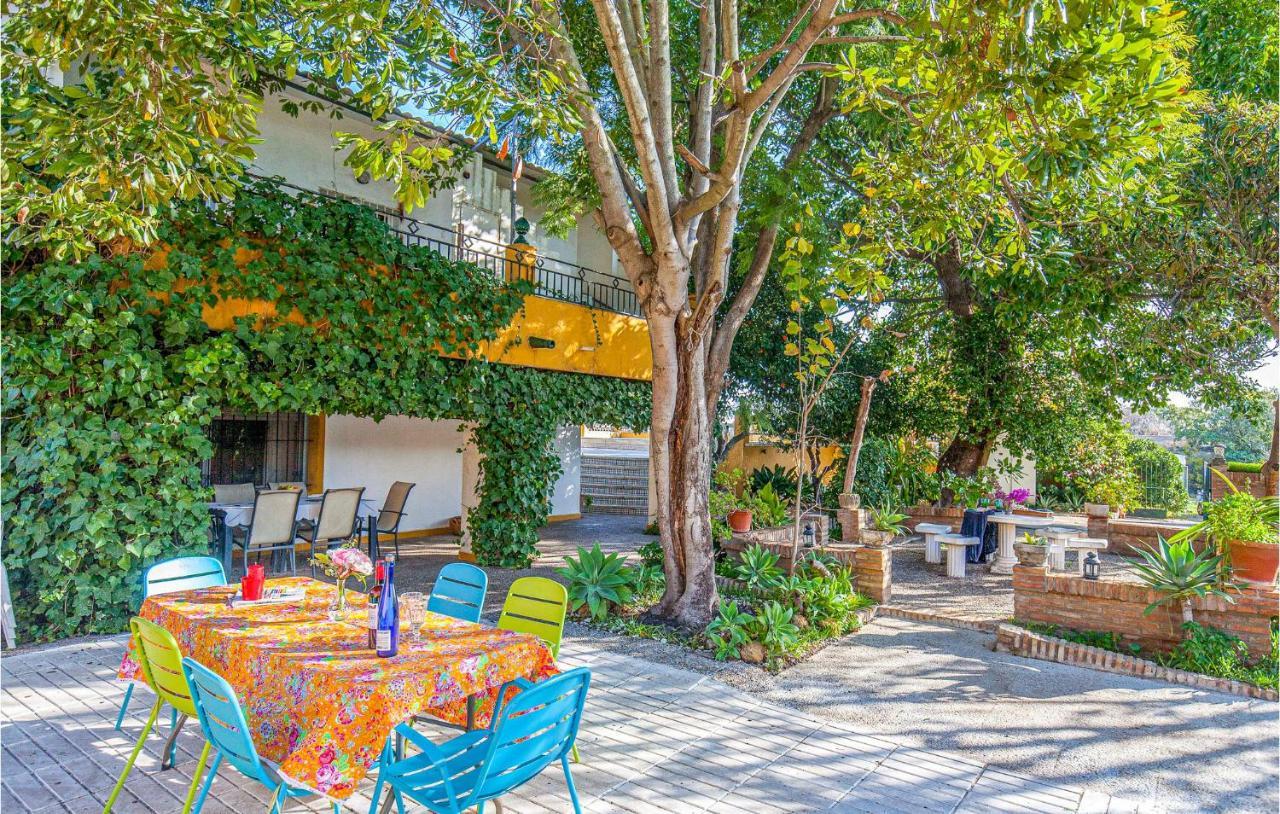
(293, 698)
(276, 520)
(988, 535)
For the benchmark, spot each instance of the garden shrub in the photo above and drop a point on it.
(112, 377)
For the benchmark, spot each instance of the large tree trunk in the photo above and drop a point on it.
(859, 429)
(966, 454)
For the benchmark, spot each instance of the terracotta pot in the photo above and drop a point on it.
(740, 520)
(1031, 555)
(1254, 562)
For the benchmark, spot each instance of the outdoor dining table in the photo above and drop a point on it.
(240, 515)
(1007, 525)
(319, 702)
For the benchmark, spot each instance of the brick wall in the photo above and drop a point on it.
(1109, 605)
(918, 514)
(1255, 483)
(872, 567)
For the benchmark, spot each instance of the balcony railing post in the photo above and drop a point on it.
(521, 256)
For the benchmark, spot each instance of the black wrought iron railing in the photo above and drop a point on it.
(552, 278)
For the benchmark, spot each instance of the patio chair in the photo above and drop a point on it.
(392, 512)
(339, 511)
(226, 730)
(459, 592)
(530, 730)
(177, 574)
(161, 662)
(234, 493)
(273, 527)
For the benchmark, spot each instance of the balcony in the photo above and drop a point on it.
(552, 278)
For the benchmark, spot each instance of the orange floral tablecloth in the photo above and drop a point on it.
(320, 703)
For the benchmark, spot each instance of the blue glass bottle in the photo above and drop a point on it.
(388, 635)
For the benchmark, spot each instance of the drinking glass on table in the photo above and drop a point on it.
(414, 607)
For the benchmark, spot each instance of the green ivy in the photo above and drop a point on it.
(113, 378)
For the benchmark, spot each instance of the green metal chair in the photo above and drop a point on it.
(161, 662)
(177, 574)
(537, 605)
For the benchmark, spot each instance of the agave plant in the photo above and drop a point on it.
(759, 567)
(1180, 574)
(728, 631)
(773, 627)
(598, 580)
(886, 518)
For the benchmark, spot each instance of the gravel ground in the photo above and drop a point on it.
(980, 596)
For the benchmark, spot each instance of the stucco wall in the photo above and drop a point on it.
(375, 454)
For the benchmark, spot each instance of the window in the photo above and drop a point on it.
(257, 448)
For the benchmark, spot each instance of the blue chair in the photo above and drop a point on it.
(532, 729)
(222, 720)
(459, 592)
(177, 574)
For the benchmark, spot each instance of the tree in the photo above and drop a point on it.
(1022, 92)
(1242, 428)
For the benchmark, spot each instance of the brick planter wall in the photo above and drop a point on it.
(872, 567)
(1107, 605)
(952, 515)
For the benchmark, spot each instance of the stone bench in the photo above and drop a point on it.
(1058, 539)
(957, 546)
(932, 551)
(1082, 546)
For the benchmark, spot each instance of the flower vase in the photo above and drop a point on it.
(338, 607)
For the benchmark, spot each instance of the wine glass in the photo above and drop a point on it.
(414, 606)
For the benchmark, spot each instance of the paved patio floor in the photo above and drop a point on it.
(655, 739)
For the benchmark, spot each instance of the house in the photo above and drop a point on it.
(584, 318)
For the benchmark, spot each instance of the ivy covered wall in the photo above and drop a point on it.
(112, 377)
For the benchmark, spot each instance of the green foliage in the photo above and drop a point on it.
(783, 481)
(1061, 497)
(773, 627)
(1237, 46)
(758, 567)
(769, 509)
(728, 630)
(1241, 466)
(1179, 573)
(600, 581)
(1237, 515)
(886, 518)
(166, 105)
(113, 377)
(1104, 639)
(968, 490)
(1160, 474)
(651, 554)
(647, 583)
(1242, 426)
(1214, 652)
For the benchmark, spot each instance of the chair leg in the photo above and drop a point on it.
(277, 800)
(169, 755)
(208, 782)
(195, 777)
(573, 790)
(124, 705)
(128, 766)
(574, 753)
(395, 541)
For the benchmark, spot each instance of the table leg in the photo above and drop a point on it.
(226, 547)
(471, 712)
(1005, 559)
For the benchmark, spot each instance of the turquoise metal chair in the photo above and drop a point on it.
(459, 592)
(531, 730)
(177, 574)
(222, 720)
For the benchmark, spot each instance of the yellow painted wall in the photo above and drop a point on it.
(750, 456)
(587, 340)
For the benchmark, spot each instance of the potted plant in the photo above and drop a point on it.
(1031, 550)
(883, 524)
(1243, 529)
(732, 500)
(1179, 574)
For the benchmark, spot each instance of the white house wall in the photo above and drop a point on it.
(301, 150)
(375, 454)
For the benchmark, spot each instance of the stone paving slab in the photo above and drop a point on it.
(655, 740)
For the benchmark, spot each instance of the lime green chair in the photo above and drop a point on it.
(537, 605)
(161, 662)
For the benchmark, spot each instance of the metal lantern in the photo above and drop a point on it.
(1092, 565)
(809, 537)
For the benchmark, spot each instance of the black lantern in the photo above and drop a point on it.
(1091, 565)
(809, 536)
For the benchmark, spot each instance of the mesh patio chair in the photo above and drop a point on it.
(274, 526)
(234, 493)
(339, 513)
(393, 511)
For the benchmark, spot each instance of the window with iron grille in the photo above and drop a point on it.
(257, 448)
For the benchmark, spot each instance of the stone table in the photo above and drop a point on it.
(1007, 523)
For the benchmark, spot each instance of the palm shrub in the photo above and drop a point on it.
(758, 567)
(597, 580)
(728, 631)
(1180, 574)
